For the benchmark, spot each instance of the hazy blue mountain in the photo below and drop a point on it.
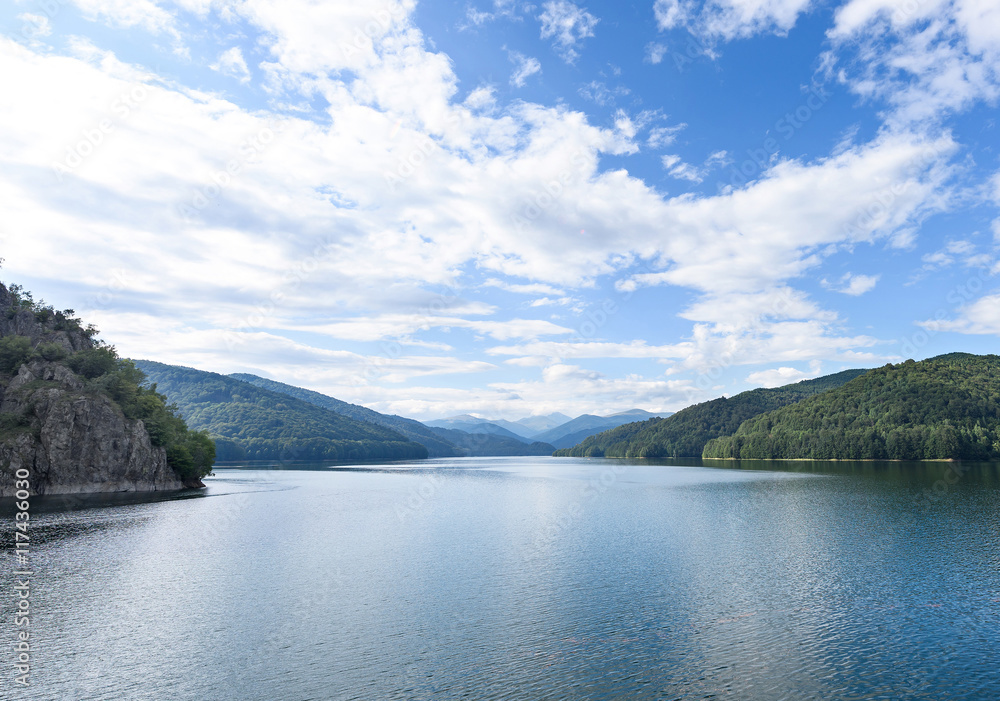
(484, 443)
(473, 424)
(575, 430)
(537, 424)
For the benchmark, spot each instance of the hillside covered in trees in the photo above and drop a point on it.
(252, 423)
(414, 430)
(943, 407)
(685, 433)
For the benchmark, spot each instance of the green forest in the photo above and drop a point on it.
(940, 408)
(685, 433)
(414, 430)
(252, 423)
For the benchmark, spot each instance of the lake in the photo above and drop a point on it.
(523, 578)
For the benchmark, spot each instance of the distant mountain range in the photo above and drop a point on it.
(253, 418)
(556, 429)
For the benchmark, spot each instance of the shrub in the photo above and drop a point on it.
(94, 362)
(51, 351)
(14, 350)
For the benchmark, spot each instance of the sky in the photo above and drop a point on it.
(508, 208)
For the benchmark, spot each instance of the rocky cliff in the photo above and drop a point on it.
(70, 437)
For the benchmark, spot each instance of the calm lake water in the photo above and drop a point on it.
(523, 578)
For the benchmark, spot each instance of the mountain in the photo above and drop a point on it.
(488, 439)
(946, 407)
(575, 430)
(77, 418)
(254, 423)
(473, 424)
(685, 433)
(537, 424)
(485, 443)
(437, 447)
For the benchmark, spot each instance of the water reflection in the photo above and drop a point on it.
(531, 578)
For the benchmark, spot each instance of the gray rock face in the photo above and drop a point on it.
(71, 441)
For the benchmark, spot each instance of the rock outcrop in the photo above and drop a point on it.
(72, 441)
(69, 437)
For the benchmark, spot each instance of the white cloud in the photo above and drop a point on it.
(720, 158)
(524, 68)
(778, 377)
(405, 189)
(677, 168)
(926, 60)
(568, 25)
(599, 92)
(663, 136)
(673, 13)
(34, 26)
(575, 389)
(854, 285)
(962, 251)
(232, 63)
(655, 51)
(730, 19)
(981, 317)
(129, 13)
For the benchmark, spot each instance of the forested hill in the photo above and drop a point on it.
(685, 433)
(943, 407)
(253, 423)
(437, 447)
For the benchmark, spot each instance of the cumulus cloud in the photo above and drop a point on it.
(852, 284)
(925, 60)
(655, 51)
(524, 68)
(677, 168)
(403, 187)
(599, 92)
(34, 26)
(981, 317)
(232, 63)
(777, 377)
(730, 19)
(567, 24)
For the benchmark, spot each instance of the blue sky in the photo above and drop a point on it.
(508, 208)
